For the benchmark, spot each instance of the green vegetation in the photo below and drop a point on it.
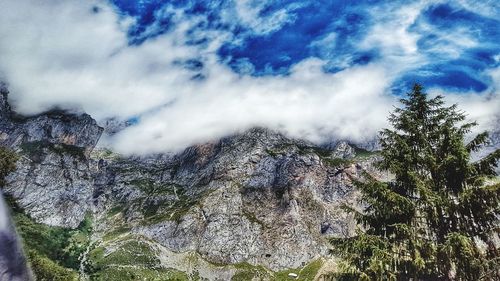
(429, 222)
(172, 211)
(163, 202)
(116, 226)
(46, 269)
(134, 259)
(8, 161)
(160, 208)
(61, 245)
(105, 154)
(48, 249)
(361, 153)
(116, 232)
(280, 149)
(115, 210)
(321, 152)
(132, 252)
(131, 258)
(246, 271)
(336, 162)
(150, 187)
(35, 148)
(133, 274)
(271, 152)
(309, 271)
(53, 252)
(326, 156)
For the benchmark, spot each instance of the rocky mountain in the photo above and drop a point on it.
(53, 180)
(252, 205)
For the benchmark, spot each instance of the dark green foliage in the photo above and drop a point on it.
(7, 163)
(272, 152)
(246, 271)
(47, 270)
(336, 162)
(326, 156)
(133, 252)
(321, 152)
(35, 148)
(428, 222)
(164, 201)
(137, 273)
(53, 252)
(363, 153)
(61, 245)
(134, 259)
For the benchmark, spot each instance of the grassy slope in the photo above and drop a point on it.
(53, 252)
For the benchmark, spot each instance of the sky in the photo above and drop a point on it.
(187, 72)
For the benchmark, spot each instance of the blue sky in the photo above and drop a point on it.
(304, 30)
(188, 72)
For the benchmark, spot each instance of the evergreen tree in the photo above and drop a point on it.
(436, 219)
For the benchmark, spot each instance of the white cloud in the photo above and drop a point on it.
(486, 8)
(248, 13)
(307, 104)
(391, 32)
(483, 108)
(61, 53)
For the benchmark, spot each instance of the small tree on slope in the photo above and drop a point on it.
(436, 219)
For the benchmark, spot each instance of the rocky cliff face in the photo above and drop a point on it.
(53, 127)
(256, 197)
(53, 181)
(252, 205)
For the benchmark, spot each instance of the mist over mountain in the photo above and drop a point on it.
(191, 72)
(256, 203)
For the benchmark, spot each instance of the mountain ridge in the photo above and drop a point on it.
(255, 204)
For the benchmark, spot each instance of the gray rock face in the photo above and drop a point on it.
(112, 126)
(63, 128)
(54, 187)
(54, 127)
(343, 150)
(370, 144)
(53, 181)
(255, 197)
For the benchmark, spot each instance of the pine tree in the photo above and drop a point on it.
(436, 219)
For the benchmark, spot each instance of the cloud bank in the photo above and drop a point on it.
(189, 76)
